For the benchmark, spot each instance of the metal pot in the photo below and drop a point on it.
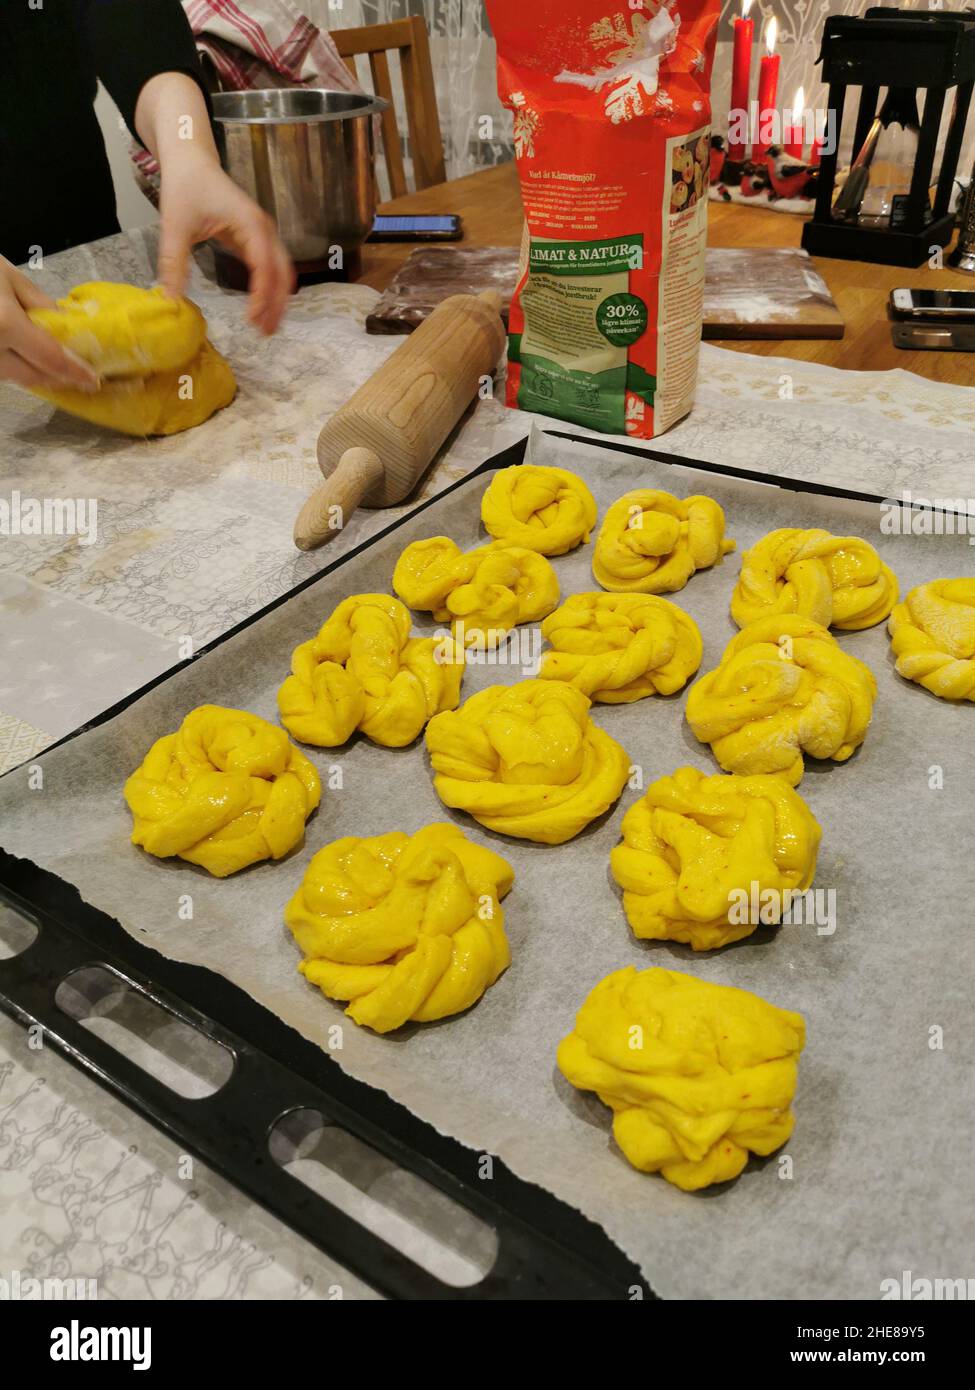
(306, 155)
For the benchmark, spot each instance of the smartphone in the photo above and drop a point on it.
(445, 227)
(928, 304)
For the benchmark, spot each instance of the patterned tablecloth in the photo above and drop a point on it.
(194, 534)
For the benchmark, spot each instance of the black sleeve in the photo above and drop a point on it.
(132, 41)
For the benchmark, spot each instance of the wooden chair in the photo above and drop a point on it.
(409, 38)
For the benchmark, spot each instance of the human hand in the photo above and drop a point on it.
(29, 355)
(198, 201)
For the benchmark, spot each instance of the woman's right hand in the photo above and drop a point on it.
(30, 356)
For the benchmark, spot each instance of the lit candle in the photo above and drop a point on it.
(795, 136)
(768, 88)
(741, 78)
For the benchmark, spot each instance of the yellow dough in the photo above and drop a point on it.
(364, 671)
(485, 592)
(404, 927)
(839, 581)
(784, 687)
(226, 790)
(526, 760)
(697, 1075)
(651, 542)
(616, 648)
(121, 330)
(160, 374)
(545, 509)
(933, 637)
(697, 850)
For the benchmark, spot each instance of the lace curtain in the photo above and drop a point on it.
(463, 59)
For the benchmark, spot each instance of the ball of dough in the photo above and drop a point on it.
(699, 853)
(839, 581)
(933, 637)
(526, 760)
(364, 671)
(616, 648)
(651, 542)
(784, 687)
(697, 1075)
(545, 509)
(121, 330)
(226, 790)
(483, 593)
(166, 403)
(160, 374)
(403, 927)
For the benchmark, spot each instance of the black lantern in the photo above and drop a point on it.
(908, 53)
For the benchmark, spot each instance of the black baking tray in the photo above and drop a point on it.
(546, 1249)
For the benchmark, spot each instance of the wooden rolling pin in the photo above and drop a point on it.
(375, 449)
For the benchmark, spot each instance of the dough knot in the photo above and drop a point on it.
(364, 671)
(784, 687)
(526, 760)
(226, 790)
(403, 927)
(700, 854)
(697, 1075)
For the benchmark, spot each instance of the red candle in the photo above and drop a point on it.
(741, 78)
(817, 149)
(768, 88)
(795, 136)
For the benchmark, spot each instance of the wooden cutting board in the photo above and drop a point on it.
(753, 293)
(759, 292)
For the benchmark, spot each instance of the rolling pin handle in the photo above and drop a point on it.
(492, 299)
(331, 505)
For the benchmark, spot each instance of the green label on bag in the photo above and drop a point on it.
(580, 320)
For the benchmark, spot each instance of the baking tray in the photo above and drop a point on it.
(836, 1230)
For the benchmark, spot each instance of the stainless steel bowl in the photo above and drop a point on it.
(306, 155)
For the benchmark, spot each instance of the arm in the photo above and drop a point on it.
(144, 52)
(199, 201)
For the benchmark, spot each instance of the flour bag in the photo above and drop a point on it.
(612, 119)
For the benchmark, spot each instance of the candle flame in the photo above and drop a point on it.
(771, 34)
(799, 105)
(745, 7)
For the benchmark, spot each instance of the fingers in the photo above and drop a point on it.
(175, 242)
(39, 353)
(20, 373)
(27, 294)
(272, 275)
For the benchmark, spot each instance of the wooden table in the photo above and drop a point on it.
(490, 204)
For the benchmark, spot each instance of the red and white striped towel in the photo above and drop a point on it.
(270, 43)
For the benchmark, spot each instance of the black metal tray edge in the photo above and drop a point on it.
(547, 1249)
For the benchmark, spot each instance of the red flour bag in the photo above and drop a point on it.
(612, 138)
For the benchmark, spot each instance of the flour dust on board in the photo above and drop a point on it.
(612, 122)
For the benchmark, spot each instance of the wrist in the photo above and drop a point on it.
(172, 121)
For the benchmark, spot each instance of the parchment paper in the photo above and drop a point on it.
(881, 1169)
